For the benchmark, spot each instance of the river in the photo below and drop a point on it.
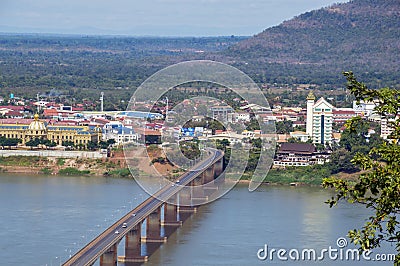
(45, 219)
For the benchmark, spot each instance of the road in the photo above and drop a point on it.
(93, 250)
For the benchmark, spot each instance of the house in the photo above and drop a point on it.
(120, 133)
(298, 154)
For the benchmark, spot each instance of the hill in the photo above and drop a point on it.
(315, 47)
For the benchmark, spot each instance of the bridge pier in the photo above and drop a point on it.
(109, 258)
(209, 175)
(185, 207)
(153, 228)
(171, 213)
(171, 222)
(133, 246)
(218, 167)
(198, 195)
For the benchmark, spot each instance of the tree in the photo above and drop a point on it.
(33, 143)
(284, 127)
(256, 143)
(111, 141)
(68, 143)
(340, 161)
(9, 141)
(354, 138)
(378, 187)
(91, 145)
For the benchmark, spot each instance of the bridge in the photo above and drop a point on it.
(175, 203)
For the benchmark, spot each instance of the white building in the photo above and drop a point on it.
(120, 133)
(319, 120)
(242, 117)
(386, 127)
(364, 108)
(300, 135)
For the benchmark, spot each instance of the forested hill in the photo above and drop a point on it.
(361, 35)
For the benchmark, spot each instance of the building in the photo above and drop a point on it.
(386, 127)
(298, 154)
(319, 120)
(79, 135)
(242, 117)
(364, 108)
(222, 113)
(121, 134)
(300, 135)
(341, 115)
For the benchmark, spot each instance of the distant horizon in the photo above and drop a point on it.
(154, 18)
(44, 34)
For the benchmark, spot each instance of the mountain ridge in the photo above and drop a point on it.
(360, 35)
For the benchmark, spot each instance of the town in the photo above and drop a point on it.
(305, 134)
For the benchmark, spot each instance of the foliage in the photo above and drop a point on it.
(123, 173)
(312, 47)
(312, 175)
(160, 160)
(91, 145)
(378, 188)
(40, 141)
(284, 127)
(68, 144)
(190, 149)
(60, 161)
(9, 141)
(340, 161)
(46, 171)
(21, 160)
(73, 171)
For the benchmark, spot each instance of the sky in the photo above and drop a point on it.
(151, 17)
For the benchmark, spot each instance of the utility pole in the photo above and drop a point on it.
(166, 109)
(38, 102)
(102, 101)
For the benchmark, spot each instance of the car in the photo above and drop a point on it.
(177, 181)
(173, 185)
(124, 225)
(133, 214)
(117, 232)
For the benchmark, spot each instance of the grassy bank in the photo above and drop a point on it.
(311, 175)
(63, 166)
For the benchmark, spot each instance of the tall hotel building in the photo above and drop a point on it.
(319, 120)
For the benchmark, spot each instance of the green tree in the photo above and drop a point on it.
(91, 145)
(354, 138)
(111, 141)
(68, 143)
(284, 127)
(378, 188)
(9, 141)
(33, 143)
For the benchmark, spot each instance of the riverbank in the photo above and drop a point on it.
(114, 166)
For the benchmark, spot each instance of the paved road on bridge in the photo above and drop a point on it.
(93, 250)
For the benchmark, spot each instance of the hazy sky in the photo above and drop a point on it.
(151, 17)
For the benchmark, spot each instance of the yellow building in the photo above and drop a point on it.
(56, 133)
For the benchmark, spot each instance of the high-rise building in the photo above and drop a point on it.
(319, 120)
